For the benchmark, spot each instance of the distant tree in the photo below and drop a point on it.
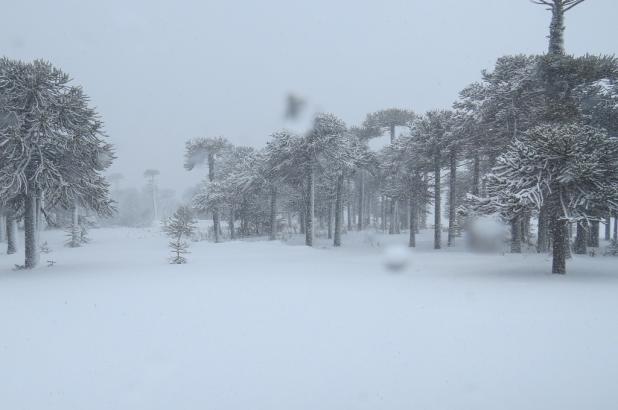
(115, 179)
(433, 131)
(388, 120)
(151, 175)
(206, 150)
(180, 226)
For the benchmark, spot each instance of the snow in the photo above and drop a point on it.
(266, 325)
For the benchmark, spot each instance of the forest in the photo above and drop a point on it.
(472, 210)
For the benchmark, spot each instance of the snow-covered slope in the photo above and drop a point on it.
(259, 325)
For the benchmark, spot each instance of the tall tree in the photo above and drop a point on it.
(53, 147)
(206, 150)
(558, 9)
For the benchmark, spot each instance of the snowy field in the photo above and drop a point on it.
(259, 325)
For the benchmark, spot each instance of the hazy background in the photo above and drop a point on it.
(163, 72)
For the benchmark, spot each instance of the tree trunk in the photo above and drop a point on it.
(616, 226)
(75, 229)
(452, 221)
(542, 243)
(608, 225)
(273, 213)
(476, 175)
(2, 227)
(413, 214)
(361, 199)
(338, 211)
(593, 241)
(559, 246)
(301, 217)
(383, 213)
(231, 223)
(581, 236)
(215, 224)
(349, 206)
(310, 208)
(329, 216)
(11, 233)
(392, 222)
(437, 232)
(516, 235)
(31, 246)
(392, 134)
(556, 29)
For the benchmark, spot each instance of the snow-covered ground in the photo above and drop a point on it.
(259, 325)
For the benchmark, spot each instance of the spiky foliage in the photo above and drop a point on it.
(51, 144)
(180, 226)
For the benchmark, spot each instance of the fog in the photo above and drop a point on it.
(163, 72)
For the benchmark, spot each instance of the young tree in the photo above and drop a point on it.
(179, 226)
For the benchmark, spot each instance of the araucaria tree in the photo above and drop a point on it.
(206, 150)
(558, 9)
(571, 168)
(179, 227)
(52, 147)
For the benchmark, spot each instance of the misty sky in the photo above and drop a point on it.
(163, 72)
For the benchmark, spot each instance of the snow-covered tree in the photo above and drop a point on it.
(558, 9)
(200, 151)
(179, 227)
(53, 147)
(388, 120)
(572, 168)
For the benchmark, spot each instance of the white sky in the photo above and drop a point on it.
(161, 72)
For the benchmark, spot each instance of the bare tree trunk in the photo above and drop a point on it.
(392, 134)
(361, 199)
(413, 214)
(11, 233)
(556, 29)
(542, 243)
(338, 211)
(594, 235)
(329, 216)
(2, 227)
(608, 225)
(516, 235)
(391, 225)
(273, 213)
(231, 223)
(476, 175)
(452, 221)
(75, 228)
(580, 239)
(616, 226)
(31, 246)
(349, 206)
(383, 213)
(437, 232)
(310, 208)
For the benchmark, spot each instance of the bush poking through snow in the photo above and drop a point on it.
(179, 226)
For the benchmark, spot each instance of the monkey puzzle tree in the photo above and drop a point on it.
(558, 9)
(388, 120)
(54, 146)
(206, 150)
(151, 177)
(572, 168)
